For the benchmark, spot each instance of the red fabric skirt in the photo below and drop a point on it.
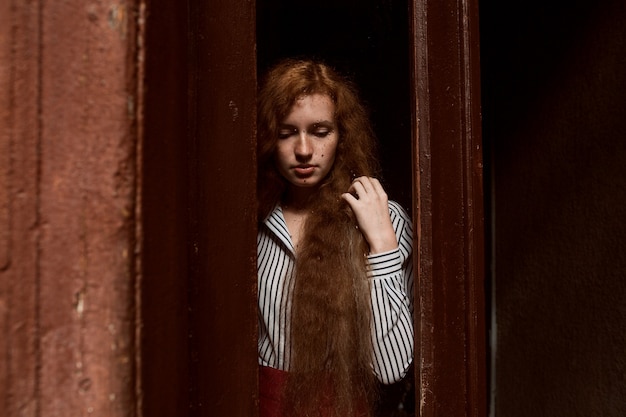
(272, 383)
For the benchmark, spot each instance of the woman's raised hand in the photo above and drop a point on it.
(368, 201)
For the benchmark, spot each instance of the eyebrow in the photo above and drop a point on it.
(323, 123)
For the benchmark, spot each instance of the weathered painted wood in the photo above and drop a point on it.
(451, 373)
(67, 288)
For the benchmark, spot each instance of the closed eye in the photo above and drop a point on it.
(321, 130)
(287, 132)
(322, 133)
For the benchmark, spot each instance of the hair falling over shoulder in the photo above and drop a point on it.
(331, 309)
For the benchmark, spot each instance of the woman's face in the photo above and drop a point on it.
(307, 141)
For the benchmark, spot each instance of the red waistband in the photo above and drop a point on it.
(272, 384)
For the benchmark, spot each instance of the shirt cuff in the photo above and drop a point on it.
(382, 265)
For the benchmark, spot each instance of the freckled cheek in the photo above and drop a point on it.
(323, 150)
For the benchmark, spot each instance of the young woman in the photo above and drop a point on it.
(334, 255)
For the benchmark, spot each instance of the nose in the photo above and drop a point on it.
(303, 148)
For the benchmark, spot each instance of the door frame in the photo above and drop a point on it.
(217, 271)
(448, 207)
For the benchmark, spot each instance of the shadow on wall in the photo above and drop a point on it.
(554, 88)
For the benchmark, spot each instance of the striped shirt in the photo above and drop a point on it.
(391, 275)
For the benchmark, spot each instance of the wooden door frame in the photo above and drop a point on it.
(448, 208)
(197, 293)
(194, 280)
(219, 266)
(223, 294)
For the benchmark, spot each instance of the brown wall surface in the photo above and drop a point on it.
(67, 208)
(554, 83)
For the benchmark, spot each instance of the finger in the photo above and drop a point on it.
(371, 186)
(358, 189)
(365, 181)
(378, 187)
(362, 179)
(350, 199)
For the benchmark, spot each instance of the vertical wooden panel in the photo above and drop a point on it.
(19, 136)
(223, 178)
(451, 327)
(86, 206)
(165, 213)
(5, 119)
(199, 354)
(66, 289)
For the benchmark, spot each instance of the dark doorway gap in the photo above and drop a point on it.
(368, 41)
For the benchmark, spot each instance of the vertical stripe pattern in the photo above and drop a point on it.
(391, 277)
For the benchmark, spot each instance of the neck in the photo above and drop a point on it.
(299, 198)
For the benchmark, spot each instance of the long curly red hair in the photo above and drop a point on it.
(331, 308)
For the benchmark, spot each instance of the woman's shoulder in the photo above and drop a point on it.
(396, 209)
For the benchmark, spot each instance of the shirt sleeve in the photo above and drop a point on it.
(391, 279)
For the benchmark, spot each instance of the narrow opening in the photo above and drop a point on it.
(367, 40)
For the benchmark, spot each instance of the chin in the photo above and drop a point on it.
(305, 182)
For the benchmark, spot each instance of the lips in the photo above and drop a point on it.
(304, 170)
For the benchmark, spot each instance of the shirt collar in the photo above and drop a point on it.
(275, 222)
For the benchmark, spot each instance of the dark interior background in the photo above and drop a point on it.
(554, 112)
(366, 40)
